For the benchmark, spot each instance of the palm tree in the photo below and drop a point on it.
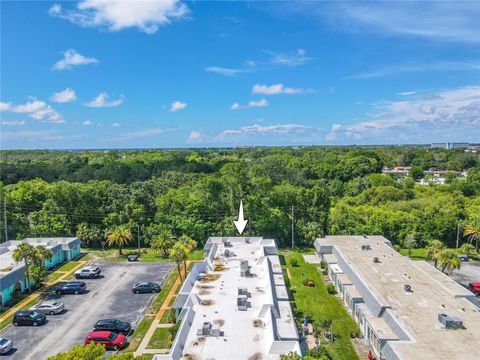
(190, 245)
(434, 248)
(472, 231)
(467, 249)
(448, 259)
(42, 254)
(119, 237)
(26, 253)
(161, 244)
(179, 253)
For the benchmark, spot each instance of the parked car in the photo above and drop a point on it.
(28, 317)
(463, 258)
(474, 287)
(48, 308)
(89, 272)
(71, 287)
(145, 287)
(116, 326)
(132, 257)
(5, 345)
(109, 339)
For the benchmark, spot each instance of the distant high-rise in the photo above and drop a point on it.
(449, 145)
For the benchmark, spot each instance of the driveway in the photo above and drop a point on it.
(109, 296)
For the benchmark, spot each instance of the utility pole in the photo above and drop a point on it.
(5, 216)
(458, 235)
(249, 227)
(138, 238)
(293, 227)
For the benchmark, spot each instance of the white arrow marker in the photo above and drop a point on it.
(241, 223)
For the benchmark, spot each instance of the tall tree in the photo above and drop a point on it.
(120, 236)
(449, 260)
(179, 253)
(190, 245)
(472, 231)
(26, 253)
(41, 254)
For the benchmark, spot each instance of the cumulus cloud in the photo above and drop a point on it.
(262, 130)
(194, 137)
(64, 96)
(276, 89)
(36, 109)
(12, 122)
(114, 125)
(72, 58)
(116, 15)
(427, 117)
(101, 100)
(250, 104)
(177, 105)
(87, 122)
(5, 106)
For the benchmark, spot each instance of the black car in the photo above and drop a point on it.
(116, 326)
(28, 317)
(71, 287)
(132, 257)
(145, 287)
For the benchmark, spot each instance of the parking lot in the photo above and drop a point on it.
(109, 296)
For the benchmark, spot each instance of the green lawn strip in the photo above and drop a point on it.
(320, 306)
(8, 320)
(55, 275)
(68, 266)
(146, 255)
(417, 254)
(162, 338)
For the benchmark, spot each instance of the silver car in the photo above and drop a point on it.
(5, 345)
(48, 308)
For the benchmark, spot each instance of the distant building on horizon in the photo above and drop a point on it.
(449, 145)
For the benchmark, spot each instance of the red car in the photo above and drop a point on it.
(474, 287)
(111, 340)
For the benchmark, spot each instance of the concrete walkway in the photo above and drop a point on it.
(142, 348)
(37, 293)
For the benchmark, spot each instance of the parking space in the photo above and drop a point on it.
(469, 272)
(109, 296)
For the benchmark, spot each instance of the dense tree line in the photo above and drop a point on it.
(337, 190)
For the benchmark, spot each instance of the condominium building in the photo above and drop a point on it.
(12, 274)
(234, 304)
(405, 309)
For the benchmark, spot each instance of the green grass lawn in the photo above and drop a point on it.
(320, 306)
(146, 255)
(68, 266)
(162, 338)
(417, 254)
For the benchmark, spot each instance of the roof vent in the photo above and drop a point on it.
(365, 236)
(366, 247)
(450, 322)
(376, 259)
(407, 288)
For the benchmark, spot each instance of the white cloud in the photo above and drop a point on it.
(101, 100)
(72, 58)
(250, 104)
(407, 93)
(114, 125)
(194, 137)
(441, 116)
(177, 105)
(116, 15)
(143, 133)
(274, 60)
(276, 89)
(5, 106)
(256, 129)
(439, 66)
(38, 110)
(12, 122)
(87, 122)
(64, 96)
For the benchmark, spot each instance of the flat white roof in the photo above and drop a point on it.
(250, 333)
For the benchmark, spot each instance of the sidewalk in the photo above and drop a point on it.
(142, 348)
(37, 293)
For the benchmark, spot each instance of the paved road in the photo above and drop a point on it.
(106, 297)
(469, 272)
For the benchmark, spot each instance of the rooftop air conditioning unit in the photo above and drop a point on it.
(366, 247)
(450, 322)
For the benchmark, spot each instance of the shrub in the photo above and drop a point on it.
(331, 289)
(294, 262)
(397, 247)
(323, 264)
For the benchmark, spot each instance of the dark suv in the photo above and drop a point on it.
(116, 326)
(71, 287)
(28, 317)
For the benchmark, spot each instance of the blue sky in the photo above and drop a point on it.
(110, 74)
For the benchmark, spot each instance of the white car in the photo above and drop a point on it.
(88, 272)
(5, 345)
(48, 308)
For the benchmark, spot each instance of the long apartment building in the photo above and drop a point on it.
(234, 304)
(405, 309)
(12, 274)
